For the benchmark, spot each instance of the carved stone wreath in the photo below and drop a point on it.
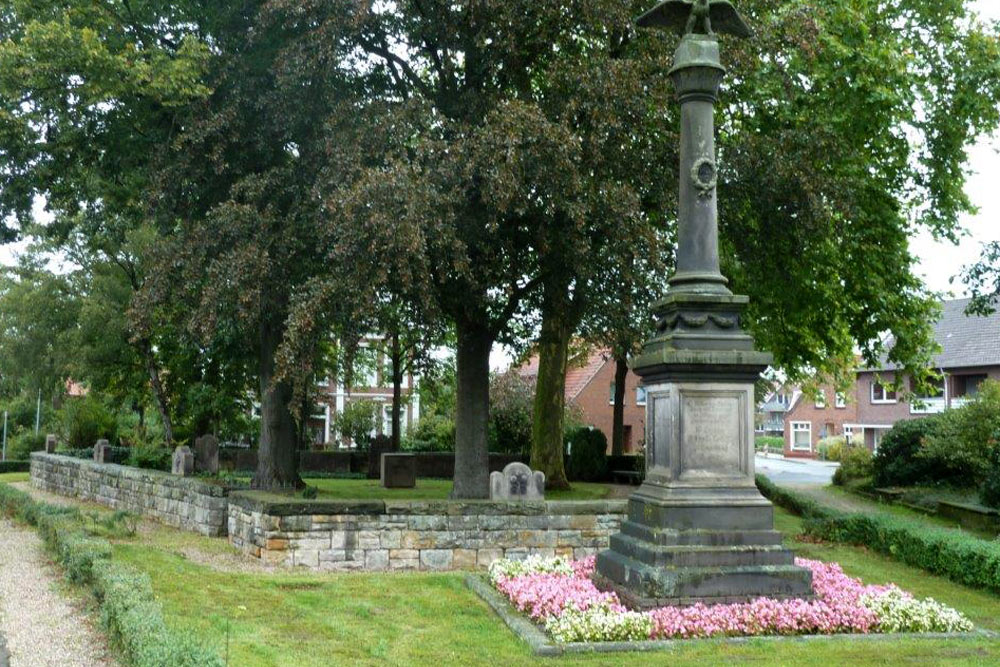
(696, 321)
(704, 176)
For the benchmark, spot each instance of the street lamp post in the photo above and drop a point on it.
(698, 530)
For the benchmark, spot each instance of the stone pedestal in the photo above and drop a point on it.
(399, 471)
(698, 529)
(183, 462)
(50, 443)
(102, 451)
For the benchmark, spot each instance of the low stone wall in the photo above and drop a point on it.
(415, 535)
(182, 502)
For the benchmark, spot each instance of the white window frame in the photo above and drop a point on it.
(839, 400)
(820, 401)
(885, 392)
(611, 394)
(640, 391)
(801, 427)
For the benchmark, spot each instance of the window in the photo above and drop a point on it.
(802, 436)
(967, 386)
(611, 394)
(821, 399)
(840, 400)
(640, 396)
(782, 399)
(848, 433)
(881, 394)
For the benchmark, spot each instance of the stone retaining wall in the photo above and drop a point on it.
(182, 502)
(415, 535)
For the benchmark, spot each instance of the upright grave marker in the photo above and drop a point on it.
(102, 451)
(698, 530)
(517, 482)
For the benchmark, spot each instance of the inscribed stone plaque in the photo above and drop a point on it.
(660, 428)
(710, 434)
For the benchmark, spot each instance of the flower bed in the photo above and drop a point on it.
(559, 595)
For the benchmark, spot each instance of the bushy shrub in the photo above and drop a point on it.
(855, 463)
(990, 491)
(20, 446)
(433, 433)
(146, 447)
(951, 455)
(588, 455)
(86, 420)
(896, 462)
(832, 448)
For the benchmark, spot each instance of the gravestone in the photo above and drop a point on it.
(206, 454)
(399, 471)
(183, 463)
(102, 451)
(50, 443)
(517, 482)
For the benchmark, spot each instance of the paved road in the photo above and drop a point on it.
(798, 471)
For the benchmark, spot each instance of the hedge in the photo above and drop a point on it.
(15, 466)
(962, 558)
(128, 607)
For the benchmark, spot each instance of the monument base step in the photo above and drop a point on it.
(641, 585)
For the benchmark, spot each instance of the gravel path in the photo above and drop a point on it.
(39, 624)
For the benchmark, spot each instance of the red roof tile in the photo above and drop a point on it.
(580, 372)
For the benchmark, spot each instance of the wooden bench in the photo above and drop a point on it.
(629, 476)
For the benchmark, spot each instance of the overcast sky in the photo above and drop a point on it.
(938, 262)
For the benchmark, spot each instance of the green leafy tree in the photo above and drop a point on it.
(983, 279)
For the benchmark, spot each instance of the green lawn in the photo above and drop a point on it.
(12, 477)
(431, 619)
(431, 489)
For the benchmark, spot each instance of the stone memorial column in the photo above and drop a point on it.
(698, 530)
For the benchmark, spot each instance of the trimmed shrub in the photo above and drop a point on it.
(15, 466)
(950, 553)
(588, 455)
(128, 608)
(768, 442)
(855, 464)
(794, 503)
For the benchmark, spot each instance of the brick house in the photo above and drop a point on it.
(372, 382)
(970, 354)
(590, 385)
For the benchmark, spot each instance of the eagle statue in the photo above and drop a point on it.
(696, 16)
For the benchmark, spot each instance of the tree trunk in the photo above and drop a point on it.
(277, 456)
(618, 414)
(397, 389)
(549, 416)
(472, 410)
(158, 393)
